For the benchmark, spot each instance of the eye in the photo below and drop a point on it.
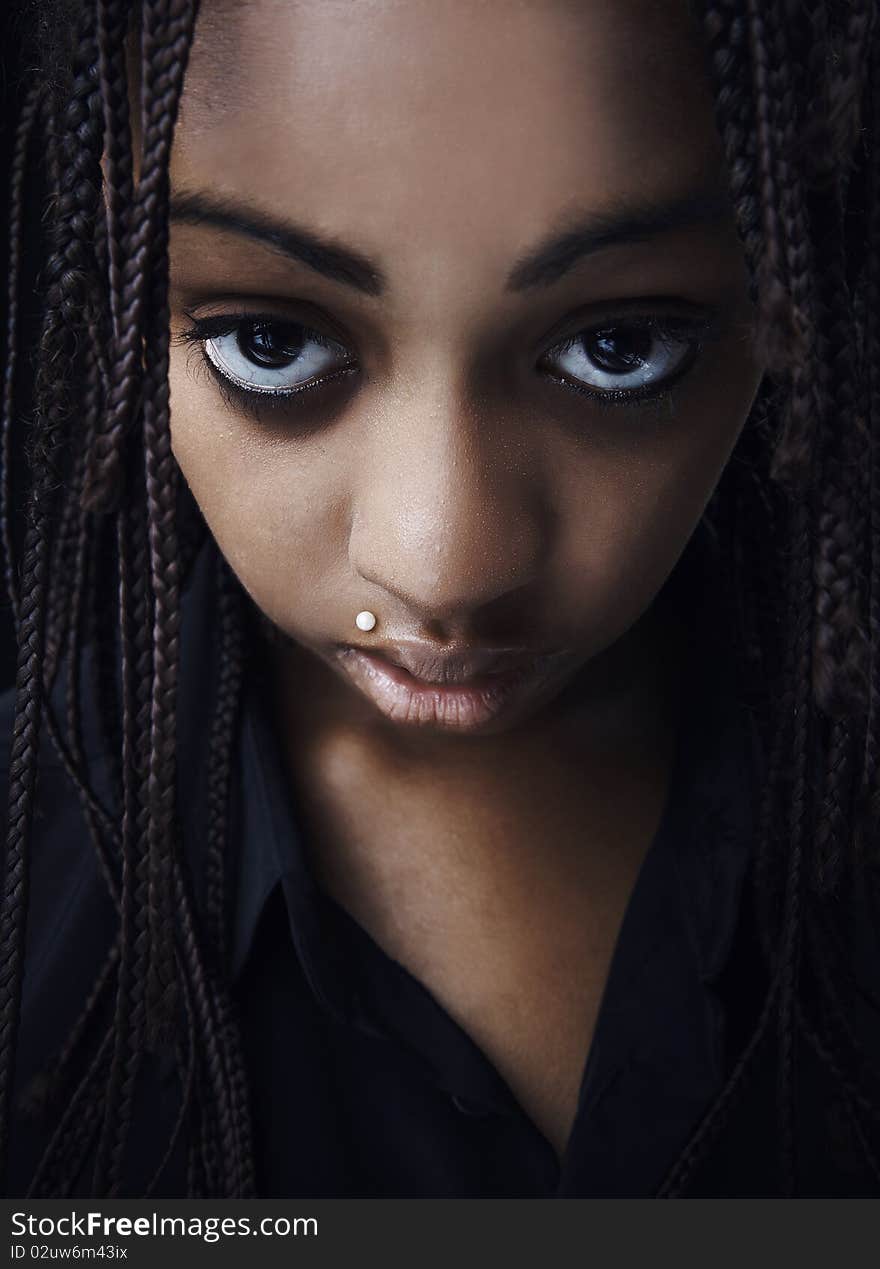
(627, 360)
(268, 356)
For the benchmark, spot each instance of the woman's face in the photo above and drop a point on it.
(461, 330)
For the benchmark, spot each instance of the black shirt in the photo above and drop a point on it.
(362, 1085)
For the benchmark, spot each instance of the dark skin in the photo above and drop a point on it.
(457, 481)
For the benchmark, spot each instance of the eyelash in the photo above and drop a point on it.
(696, 330)
(254, 402)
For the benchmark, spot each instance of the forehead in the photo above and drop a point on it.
(466, 123)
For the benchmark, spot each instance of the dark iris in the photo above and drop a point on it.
(270, 344)
(620, 351)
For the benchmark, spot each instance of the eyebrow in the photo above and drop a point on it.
(629, 221)
(626, 222)
(339, 263)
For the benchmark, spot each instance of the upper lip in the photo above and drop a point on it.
(445, 665)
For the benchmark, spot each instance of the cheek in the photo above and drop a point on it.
(630, 510)
(278, 517)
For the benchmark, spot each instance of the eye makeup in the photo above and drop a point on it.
(680, 341)
(254, 358)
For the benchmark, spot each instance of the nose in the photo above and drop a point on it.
(448, 514)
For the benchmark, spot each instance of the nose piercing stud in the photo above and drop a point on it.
(365, 620)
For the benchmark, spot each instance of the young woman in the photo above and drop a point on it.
(444, 753)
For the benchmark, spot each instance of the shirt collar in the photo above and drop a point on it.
(273, 851)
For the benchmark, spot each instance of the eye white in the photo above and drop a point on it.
(580, 358)
(314, 357)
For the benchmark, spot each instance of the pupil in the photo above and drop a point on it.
(271, 346)
(619, 351)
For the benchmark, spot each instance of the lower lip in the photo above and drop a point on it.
(454, 706)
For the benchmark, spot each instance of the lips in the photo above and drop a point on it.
(444, 667)
(465, 691)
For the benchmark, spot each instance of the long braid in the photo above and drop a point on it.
(787, 276)
(783, 311)
(24, 131)
(34, 103)
(168, 31)
(223, 1061)
(726, 39)
(186, 1093)
(868, 862)
(793, 465)
(799, 824)
(129, 1011)
(840, 641)
(76, 1123)
(113, 18)
(42, 1096)
(64, 277)
(814, 351)
(229, 684)
(869, 804)
(152, 941)
(162, 475)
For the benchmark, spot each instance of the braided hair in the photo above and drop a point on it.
(109, 532)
